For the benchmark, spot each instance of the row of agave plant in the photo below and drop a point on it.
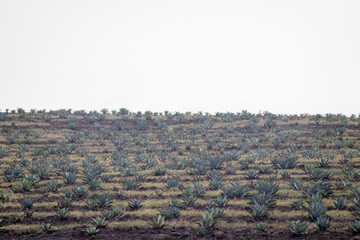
(205, 165)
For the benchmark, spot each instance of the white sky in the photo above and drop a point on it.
(281, 56)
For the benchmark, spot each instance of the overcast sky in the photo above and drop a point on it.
(280, 56)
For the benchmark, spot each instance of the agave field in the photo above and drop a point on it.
(148, 175)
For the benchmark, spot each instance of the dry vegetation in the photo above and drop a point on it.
(173, 175)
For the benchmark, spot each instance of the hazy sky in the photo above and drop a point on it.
(281, 56)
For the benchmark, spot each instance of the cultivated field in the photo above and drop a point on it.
(124, 175)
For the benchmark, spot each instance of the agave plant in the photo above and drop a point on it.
(221, 201)
(46, 227)
(3, 196)
(107, 214)
(258, 211)
(215, 162)
(129, 184)
(216, 183)
(80, 191)
(233, 155)
(316, 209)
(69, 178)
(44, 173)
(201, 231)
(135, 204)
(296, 184)
(190, 199)
(267, 187)
(18, 217)
(174, 202)
(99, 222)
(91, 231)
(52, 186)
(260, 226)
(322, 188)
(263, 199)
(159, 170)
(230, 170)
(92, 204)
(104, 199)
(322, 223)
(172, 183)
(93, 184)
(265, 169)
(251, 174)
(26, 185)
(117, 211)
(64, 202)
(207, 220)
(171, 212)
(62, 213)
(340, 203)
(285, 174)
(106, 178)
(298, 228)
(323, 162)
(197, 189)
(27, 203)
(285, 161)
(355, 226)
(158, 222)
(297, 204)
